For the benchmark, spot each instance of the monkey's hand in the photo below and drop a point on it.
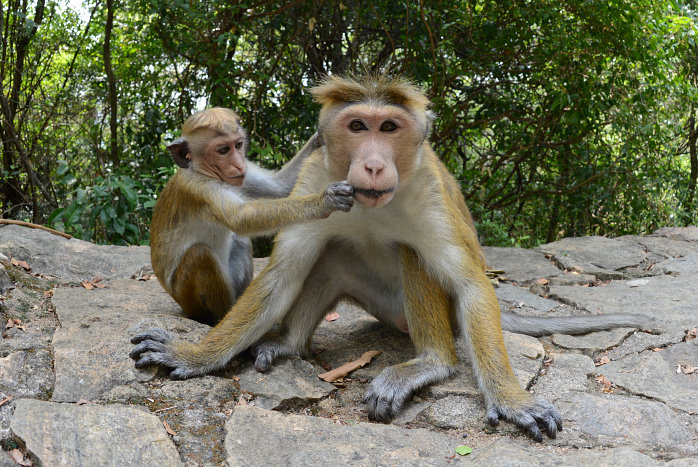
(158, 347)
(528, 416)
(389, 391)
(338, 196)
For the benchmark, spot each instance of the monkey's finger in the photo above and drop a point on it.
(158, 335)
(371, 401)
(147, 346)
(552, 422)
(152, 359)
(345, 204)
(344, 188)
(493, 416)
(528, 423)
(381, 411)
(550, 427)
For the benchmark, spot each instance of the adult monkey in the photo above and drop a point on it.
(199, 246)
(408, 252)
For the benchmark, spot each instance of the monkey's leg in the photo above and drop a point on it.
(427, 310)
(265, 302)
(319, 295)
(199, 287)
(338, 273)
(327, 282)
(477, 310)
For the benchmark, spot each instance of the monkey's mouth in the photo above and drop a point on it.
(372, 193)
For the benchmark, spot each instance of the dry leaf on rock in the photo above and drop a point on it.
(347, 368)
(22, 264)
(95, 283)
(18, 457)
(605, 383)
(14, 323)
(168, 428)
(6, 400)
(602, 361)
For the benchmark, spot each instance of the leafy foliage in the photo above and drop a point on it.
(558, 118)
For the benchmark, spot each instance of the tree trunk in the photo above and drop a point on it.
(10, 188)
(691, 195)
(111, 81)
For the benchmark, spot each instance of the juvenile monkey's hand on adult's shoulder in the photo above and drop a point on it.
(156, 347)
(529, 417)
(339, 196)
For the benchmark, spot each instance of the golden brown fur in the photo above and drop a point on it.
(199, 249)
(407, 252)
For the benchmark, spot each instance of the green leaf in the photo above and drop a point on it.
(463, 450)
(119, 225)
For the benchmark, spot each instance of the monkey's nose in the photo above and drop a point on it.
(374, 167)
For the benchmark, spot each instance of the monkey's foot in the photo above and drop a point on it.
(155, 347)
(539, 412)
(268, 351)
(389, 391)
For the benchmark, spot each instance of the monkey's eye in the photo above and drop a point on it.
(223, 150)
(357, 125)
(238, 145)
(388, 126)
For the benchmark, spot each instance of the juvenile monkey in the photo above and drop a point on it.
(407, 252)
(199, 246)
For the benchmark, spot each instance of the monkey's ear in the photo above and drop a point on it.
(431, 116)
(179, 150)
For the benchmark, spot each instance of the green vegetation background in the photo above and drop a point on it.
(560, 118)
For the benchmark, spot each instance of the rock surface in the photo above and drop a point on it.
(70, 395)
(91, 435)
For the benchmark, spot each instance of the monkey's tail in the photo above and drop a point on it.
(537, 326)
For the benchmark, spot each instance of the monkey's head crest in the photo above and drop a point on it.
(336, 90)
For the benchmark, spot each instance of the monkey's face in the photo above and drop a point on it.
(222, 157)
(372, 147)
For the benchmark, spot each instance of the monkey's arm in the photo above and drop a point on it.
(260, 183)
(478, 313)
(264, 303)
(261, 215)
(268, 215)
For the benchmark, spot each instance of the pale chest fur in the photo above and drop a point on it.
(414, 217)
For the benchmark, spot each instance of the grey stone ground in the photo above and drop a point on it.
(69, 394)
